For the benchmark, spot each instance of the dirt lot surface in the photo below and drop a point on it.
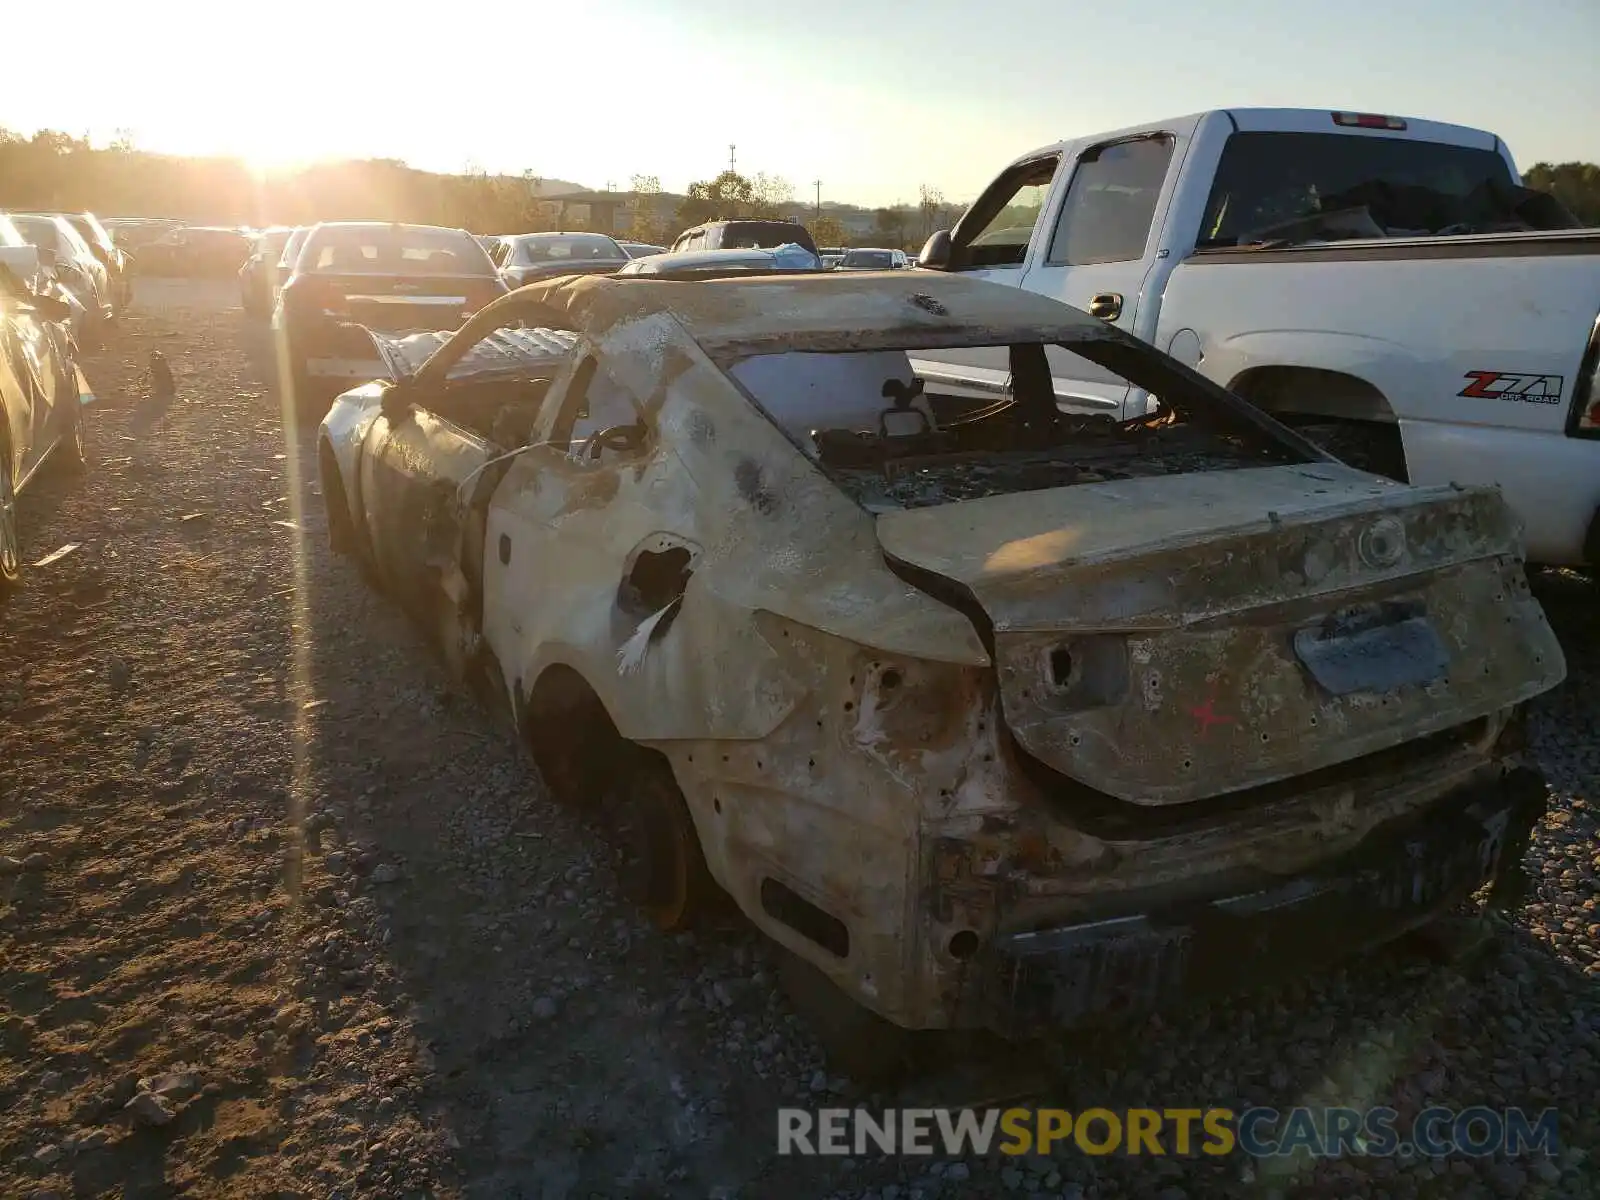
(283, 915)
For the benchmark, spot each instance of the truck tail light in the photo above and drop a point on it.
(1367, 121)
(1585, 418)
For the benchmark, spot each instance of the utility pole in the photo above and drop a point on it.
(730, 157)
(818, 184)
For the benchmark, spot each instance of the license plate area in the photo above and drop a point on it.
(1376, 648)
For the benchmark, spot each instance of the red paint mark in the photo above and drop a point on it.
(1207, 715)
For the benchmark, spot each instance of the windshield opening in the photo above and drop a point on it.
(1285, 188)
(891, 435)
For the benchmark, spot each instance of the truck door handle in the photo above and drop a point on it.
(1107, 306)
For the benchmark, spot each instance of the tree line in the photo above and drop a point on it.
(56, 171)
(53, 170)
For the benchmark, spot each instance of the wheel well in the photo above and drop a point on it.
(1314, 392)
(334, 498)
(1345, 415)
(571, 736)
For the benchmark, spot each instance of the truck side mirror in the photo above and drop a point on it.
(936, 252)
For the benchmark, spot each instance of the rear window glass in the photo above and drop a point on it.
(869, 258)
(575, 248)
(765, 235)
(1384, 186)
(393, 250)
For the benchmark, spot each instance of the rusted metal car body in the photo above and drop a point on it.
(1001, 717)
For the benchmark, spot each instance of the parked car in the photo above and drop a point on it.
(641, 249)
(350, 274)
(196, 251)
(42, 392)
(689, 264)
(872, 259)
(257, 277)
(744, 235)
(66, 257)
(103, 246)
(530, 256)
(1406, 299)
(956, 711)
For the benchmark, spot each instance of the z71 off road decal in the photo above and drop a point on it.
(1509, 385)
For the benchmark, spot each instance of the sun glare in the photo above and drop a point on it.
(264, 159)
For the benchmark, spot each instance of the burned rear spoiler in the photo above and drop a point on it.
(505, 353)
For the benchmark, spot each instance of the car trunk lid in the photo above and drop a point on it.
(1171, 638)
(394, 302)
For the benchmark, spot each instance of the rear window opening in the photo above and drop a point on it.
(894, 439)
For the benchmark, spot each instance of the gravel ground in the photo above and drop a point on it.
(282, 915)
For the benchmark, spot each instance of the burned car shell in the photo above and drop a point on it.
(1021, 760)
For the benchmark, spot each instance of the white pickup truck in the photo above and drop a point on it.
(1409, 302)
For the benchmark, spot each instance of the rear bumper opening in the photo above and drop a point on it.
(1397, 878)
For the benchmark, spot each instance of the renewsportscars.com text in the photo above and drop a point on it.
(1258, 1132)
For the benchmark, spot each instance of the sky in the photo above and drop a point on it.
(872, 97)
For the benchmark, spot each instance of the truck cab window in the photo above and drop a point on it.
(1004, 217)
(1111, 203)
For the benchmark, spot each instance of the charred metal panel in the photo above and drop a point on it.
(1218, 706)
(1398, 877)
(1211, 594)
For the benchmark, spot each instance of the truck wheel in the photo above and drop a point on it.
(858, 1042)
(659, 861)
